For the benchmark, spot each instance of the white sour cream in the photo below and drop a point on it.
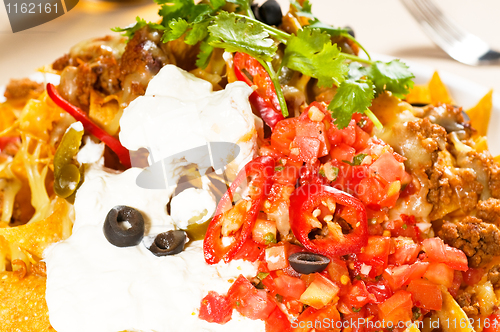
(93, 285)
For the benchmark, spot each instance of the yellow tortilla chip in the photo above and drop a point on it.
(419, 94)
(22, 303)
(37, 236)
(480, 114)
(451, 317)
(438, 91)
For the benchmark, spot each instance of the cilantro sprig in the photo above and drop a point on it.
(310, 51)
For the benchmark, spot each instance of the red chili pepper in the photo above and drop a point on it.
(306, 199)
(114, 144)
(260, 169)
(264, 99)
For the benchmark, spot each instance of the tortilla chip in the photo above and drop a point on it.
(438, 91)
(22, 303)
(480, 114)
(452, 312)
(419, 94)
(37, 236)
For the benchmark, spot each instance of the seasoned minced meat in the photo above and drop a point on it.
(430, 135)
(480, 241)
(23, 89)
(489, 211)
(494, 276)
(467, 301)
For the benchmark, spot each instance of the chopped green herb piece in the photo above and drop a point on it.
(351, 97)
(322, 173)
(356, 160)
(279, 168)
(404, 226)
(262, 275)
(269, 238)
(356, 309)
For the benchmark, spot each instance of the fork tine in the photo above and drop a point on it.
(430, 22)
(448, 24)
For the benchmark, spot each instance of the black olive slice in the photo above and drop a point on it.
(124, 226)
(270, 13)
(168, 243)
(308, 262)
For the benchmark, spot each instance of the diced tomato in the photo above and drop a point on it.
(349, 133)
(283, 135)
(362, 138)
(358, 295)
(440, 273)
(337, 270)
(286, 175)
(256, 305)
(314, 129)
(308, 148)
(473, 275)
(387, 168)
(458, 279)
(439, 252)
(376, 254)
(363, 122)
(250, 301)
(317, 320)
(276, 257)
(239, 289)
(405, 251)
(397, 308)
(398, 276)
(250, 251)
(405, 227)
(215, 308)
(371, 192)
(343, 152)
(320, 292)
(278, 322)
(289, 287)
(492, 323)
(380, 290)
(425, 294)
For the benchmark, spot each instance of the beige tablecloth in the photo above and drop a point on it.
(382, 26)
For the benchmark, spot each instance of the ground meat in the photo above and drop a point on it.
(23, 89)
(489, 211)
(467, 301)
(448, 116)
(61, 62)
(451, 188)
(432, 136)
(494, 276)
(480, 241)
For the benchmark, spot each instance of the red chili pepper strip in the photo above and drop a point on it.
(114, 144)
(306, 199)
(261, 170)
(264, 99)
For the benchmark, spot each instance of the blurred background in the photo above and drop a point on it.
(383, 27)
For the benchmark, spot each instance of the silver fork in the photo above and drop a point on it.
(457, 42)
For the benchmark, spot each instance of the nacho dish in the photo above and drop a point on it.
(233, 168)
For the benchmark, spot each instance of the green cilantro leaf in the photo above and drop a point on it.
(205, 54)
(351, 97)
(130, 30)
(262, 275)
(304, 10)
(237, 34)
(312, 53)
(269, 238)
(177, 28)
(356, 160)
(392, 76)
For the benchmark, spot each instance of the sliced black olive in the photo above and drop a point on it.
(270, 13)
(350, 31)
(308, 262)
(124, 226)
(168, 243)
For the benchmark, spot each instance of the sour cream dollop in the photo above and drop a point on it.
(93, 285)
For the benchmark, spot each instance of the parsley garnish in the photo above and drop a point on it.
(356, 160)
(269, 238)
